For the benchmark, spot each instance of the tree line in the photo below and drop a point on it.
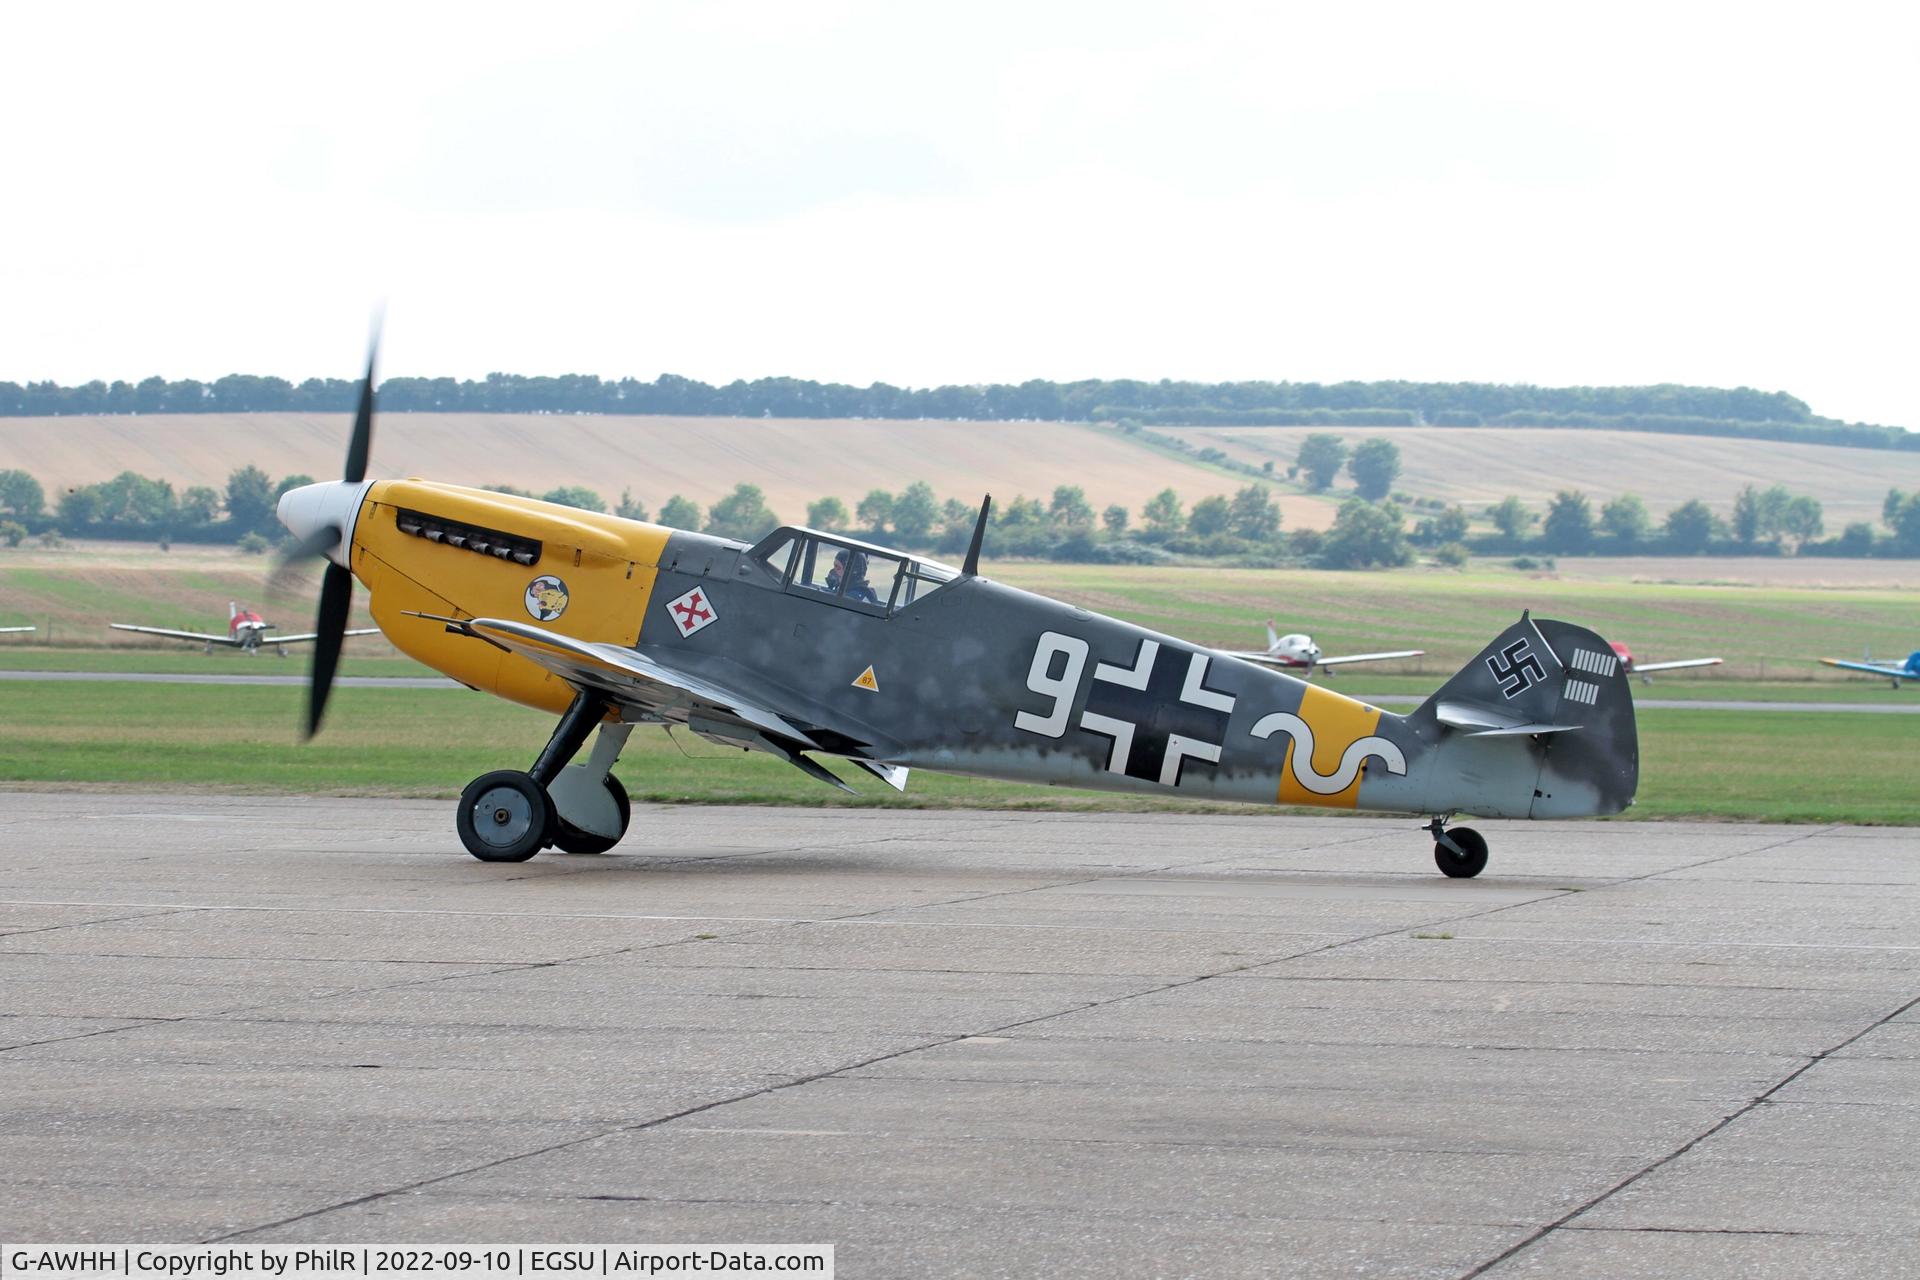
(1370, 529)
(1378, 403)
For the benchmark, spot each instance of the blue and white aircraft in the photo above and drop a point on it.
(1895, 671)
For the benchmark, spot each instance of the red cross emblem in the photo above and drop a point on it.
(692, 611)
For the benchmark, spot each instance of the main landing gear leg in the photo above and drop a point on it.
(506, 815)
(1460, 853)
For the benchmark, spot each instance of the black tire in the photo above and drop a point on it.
(504, 816)
(1469, 862)
(570, 839)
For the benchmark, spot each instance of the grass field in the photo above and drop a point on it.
(1766, 631)
(1772, 766)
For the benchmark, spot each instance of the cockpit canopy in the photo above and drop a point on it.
(846, 572)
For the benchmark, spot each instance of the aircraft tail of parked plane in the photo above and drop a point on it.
(1895, 671)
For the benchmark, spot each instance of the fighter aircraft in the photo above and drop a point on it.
(1645, 670)
(1299, 653)
(808, 644)
(1895, 671)
(246, 631)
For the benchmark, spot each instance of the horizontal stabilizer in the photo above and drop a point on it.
(1488, 722)
(894, 775)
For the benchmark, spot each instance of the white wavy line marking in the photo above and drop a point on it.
(1303, 771)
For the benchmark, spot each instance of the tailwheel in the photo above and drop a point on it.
(505, 816)
(571, 839)
(1460, 853)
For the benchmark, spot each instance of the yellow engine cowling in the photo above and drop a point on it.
(592, 579)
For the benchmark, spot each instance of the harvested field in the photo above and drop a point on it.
(1479, 466)
(795, 462)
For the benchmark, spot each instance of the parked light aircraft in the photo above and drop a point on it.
(246, 631)
(1299, 653)
(810, 644)
(1645, 670)
(1895, 671)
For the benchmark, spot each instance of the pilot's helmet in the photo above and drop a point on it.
(859, 565)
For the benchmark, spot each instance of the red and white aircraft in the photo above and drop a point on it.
(1299, 653)
(1645, 670)
(246, 631)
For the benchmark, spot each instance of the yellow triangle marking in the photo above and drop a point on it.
(866, 681)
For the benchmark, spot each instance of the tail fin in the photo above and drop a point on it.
(1273, 637)
(233, 610)
(1562, 688)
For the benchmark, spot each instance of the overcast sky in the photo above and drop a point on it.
(921, 194)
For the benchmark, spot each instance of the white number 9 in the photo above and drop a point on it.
(1060, 688)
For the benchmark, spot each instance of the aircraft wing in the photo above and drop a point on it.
(200, 637)
(12, 630)
(307, 636)
(662, 692)
(1369, 657)
(1874, 668)
(1644, 668)
(1263, 657)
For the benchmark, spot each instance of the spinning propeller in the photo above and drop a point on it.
(320, 516)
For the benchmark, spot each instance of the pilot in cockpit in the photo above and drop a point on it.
(855, 576)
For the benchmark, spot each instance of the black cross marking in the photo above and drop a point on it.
(1157, 712)
(1516, 668)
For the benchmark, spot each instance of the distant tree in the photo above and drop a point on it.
(1115, 519)
(1210, 516)
(1254, 514)
(875, 510)
(1021, 512)
(1569, 525)
(1856, 539)
(1163, 514)
(1802, 520)
(827, 513)
(1890, 508)
(1320, 459)
(12, 532)
(1904, 521)
(742, 514)
(21, 495)
(1511, 517)
(289, 484)
(957, 516)
(254, 544)
(1070, 507)
(1626, 521)
(79, 508)
(1374, 466)
(680, 513)
(629, 508)
(1365, 535)
(573, 495)
(1449, 526)
(508, 489)
(199, 505)
(915, 511)
(250, 500)
(1454, 555)
(1690, 527)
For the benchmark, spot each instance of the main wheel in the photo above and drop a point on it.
(571, 839)
(1470, 861)
(504, 816)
